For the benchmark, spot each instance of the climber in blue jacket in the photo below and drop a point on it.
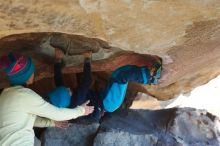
(118, 83)
(114, 94)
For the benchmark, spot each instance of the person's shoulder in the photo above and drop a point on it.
(29, 91)
(16, 92)
(21, 90)
(29, 96)
(12, 89)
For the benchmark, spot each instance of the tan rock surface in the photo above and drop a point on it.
(186, 34)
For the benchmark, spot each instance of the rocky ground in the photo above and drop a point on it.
(170, 127)
(184, 33)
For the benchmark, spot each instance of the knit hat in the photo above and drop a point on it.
(17, 68)
(60, 97)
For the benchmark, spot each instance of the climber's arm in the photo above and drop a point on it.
(85, 82)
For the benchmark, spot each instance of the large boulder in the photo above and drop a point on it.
(171, 127)
(75, 135)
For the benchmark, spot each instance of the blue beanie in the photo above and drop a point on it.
(60, 97)
(19, 69)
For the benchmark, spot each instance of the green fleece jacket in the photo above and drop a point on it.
(21, 109)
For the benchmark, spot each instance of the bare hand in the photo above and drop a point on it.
(59, 54)
(87, 54)
(88, 109)
(61, 124)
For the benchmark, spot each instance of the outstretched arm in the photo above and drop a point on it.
(58, 67)
(43, 122)
(35, 105)
(86, 80)
(58, 79)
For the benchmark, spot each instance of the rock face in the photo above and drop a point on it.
(173, 127)
(77, 135)
(41, 46)
(184, 33)
(163, 127)
(142, 26)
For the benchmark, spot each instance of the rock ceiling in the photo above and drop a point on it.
(185, 34)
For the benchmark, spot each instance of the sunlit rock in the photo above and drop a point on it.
(184, 33)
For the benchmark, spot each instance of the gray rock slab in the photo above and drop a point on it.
(76, 135)
(170, 127)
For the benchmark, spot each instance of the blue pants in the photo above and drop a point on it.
(116, 89)
(131, 73)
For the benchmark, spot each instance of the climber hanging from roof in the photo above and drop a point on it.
(112, 97)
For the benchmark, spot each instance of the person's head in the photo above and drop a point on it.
(60, 97)
(18, 69)
(155, 72)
